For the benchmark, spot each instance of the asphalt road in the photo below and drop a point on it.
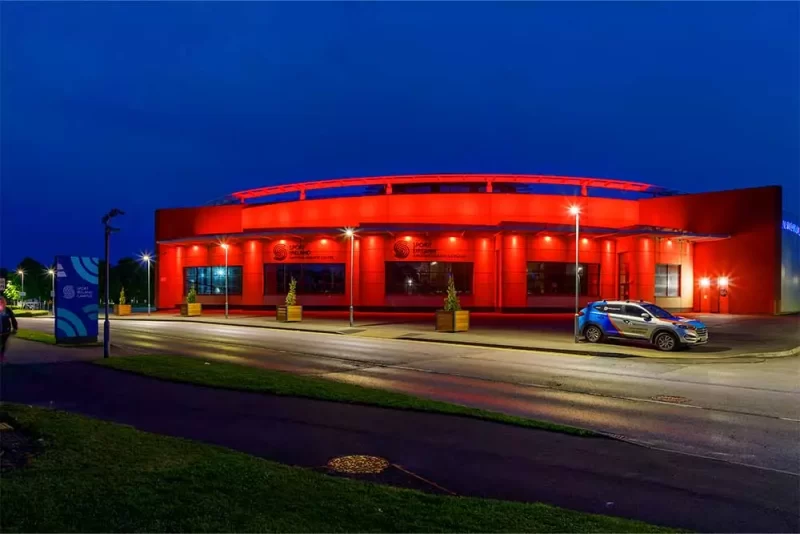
(431, 451)
(745, 412)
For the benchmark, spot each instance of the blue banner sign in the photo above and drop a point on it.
(76, 299)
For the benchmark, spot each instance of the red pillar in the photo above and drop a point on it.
(643, 286)
(371, 274)
(253, 273)
(169, 276)
(608, 269)
(483, 280)
(514, 259)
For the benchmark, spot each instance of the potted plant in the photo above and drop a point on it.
(290, 312)
(191, 308)
(452, 318)
(123, 308)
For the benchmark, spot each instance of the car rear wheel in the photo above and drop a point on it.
(665, 341)
(593, 334)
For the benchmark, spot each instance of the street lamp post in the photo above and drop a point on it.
(52, 273)
(146, 257)
(21, 273)
(352, 235)
(576, 211)
(106, 325)
(225, 247)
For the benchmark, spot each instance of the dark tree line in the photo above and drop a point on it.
(128, 273)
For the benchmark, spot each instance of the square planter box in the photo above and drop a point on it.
(191, 310)
(457, 321)
(122, 309)
(290, 314)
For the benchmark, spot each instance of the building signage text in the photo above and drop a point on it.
(424, 249)
(298, 252)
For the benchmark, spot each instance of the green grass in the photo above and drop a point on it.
(46, 337)
(19, 312)
(238, 377)
(96, 476)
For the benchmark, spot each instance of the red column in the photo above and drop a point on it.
(483, 281)
(253, 273)
(371, 273)
(608, 269)
(169, 276)
(514, 255)
(643, 265)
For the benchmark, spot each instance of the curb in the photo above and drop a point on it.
(577, 352)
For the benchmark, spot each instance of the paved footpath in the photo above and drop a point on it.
(464, 456)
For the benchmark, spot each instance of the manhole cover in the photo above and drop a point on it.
(670, 398)
(358, 464)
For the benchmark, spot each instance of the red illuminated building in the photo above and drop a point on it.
(508, 241)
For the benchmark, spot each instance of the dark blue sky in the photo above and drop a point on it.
(140, 106)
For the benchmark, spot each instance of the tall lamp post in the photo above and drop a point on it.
(21, 273)
(225, 247)
(52, 273)
(349, 232)
(147, 258)
(108, 230)
(576, 211)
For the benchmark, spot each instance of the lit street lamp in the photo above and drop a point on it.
(21, 273)
(106, 325)
(576, 211)
(146, 258)
(225, 247)
(349, 232)
(52, 273)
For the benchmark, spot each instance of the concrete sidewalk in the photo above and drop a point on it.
(462, 455)
(730, 336)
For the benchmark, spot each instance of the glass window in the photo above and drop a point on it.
(668, 280)
(633, 311)
(558, 278)
(657, 311)
(427, 278)
(211, 280)
(312, 278)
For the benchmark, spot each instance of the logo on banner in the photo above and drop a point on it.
(69, 292)
(280, 252)
(791, 227)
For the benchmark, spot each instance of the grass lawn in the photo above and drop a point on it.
(239, 377)
(47, 337)
(96, 476)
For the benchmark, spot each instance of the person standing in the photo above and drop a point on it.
(8, 326)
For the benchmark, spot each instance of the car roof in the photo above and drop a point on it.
(620, 302)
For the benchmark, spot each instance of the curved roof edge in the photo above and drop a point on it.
(489, 179)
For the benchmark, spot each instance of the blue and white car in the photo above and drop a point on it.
(640, 320)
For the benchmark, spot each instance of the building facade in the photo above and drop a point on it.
(508, 241)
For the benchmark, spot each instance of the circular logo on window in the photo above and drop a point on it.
(280, 252)
(401, 249)
(69, 292)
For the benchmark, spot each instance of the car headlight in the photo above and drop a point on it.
(686, 327)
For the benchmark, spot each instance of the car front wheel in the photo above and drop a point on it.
(665, 341)
(593, 334)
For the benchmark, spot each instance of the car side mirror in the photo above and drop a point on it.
(646, 316)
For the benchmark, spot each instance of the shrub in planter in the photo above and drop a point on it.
(123, 308)
(191, 308)
(452, 318)
(290, 312)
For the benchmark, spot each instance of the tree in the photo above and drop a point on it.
(291, 296)
(451, 302)
(11, 292)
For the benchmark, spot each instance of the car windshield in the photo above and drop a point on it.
(660, 313)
